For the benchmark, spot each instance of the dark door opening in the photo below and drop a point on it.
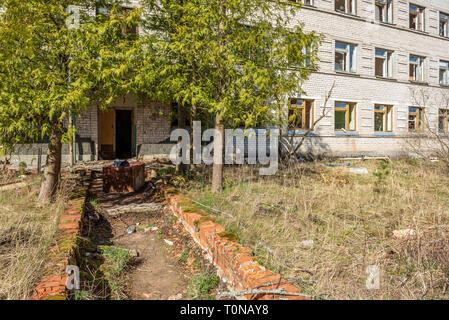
(123, 134)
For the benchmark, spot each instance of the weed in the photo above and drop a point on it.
(201, 285)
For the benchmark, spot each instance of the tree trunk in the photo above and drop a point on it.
(217, 173)
(53, 168)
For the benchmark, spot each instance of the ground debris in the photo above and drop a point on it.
(134, 208)
(404, 234)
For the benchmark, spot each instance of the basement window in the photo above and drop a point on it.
(415, 119)
(345, 116)
(346, 6)
(444, 73)
(345, 57)
(383, 63)
(444, 25)
(416, 18)
(383, 118)
(443, 121)
(384, 11)
(300, 114)
(416, 72)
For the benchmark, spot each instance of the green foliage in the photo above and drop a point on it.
(184, 256)
(200, 286)
(223, 59)
(49, 71)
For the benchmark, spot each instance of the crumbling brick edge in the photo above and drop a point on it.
(65, 252)
(236, 265)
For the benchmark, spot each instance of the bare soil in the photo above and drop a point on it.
(157, 273)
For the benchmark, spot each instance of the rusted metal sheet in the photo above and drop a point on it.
(124, 179)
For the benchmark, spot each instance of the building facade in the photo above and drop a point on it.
(387, 62)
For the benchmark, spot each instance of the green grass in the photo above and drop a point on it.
(116, 259)
(201, 285)
(350, 218)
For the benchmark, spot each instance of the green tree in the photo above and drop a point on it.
(51, 68)
(236, 59)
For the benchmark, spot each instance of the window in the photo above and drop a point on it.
(444, 73)
(345, 116)
(305, 2)
(346, 6)
(444, 21)
(416, 18)
(384, 11)
(345, 57)
(300, 114)
(443, 121)
(383, 118)
(415, 119)
(416, 68)
(383, 63)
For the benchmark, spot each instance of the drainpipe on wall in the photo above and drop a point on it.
(74, 140)
(72, 145)
(71, 141)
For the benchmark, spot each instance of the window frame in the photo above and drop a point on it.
(303, 109)
(347, 2)
(347, 111)
(387, 63)
(443, 32)
(443, 113)
(419, 119)
(419, 76)
(387, 10)
(388, 110)
(310, 4)
(444, 81)
(420, 16)
(347, 61)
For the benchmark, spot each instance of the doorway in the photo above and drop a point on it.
(123, 134)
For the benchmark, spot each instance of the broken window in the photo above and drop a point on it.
(345, 57)
(416, 18)
(383, 63)
(345, 116)
(384, 11)
(444, 22)
(300, 114)
(444, 73)
(416, 68)
(415, 119)
(443, 121)
(346, 6)
(383, 118)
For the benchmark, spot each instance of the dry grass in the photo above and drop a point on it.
(350, 219)
(26, 232)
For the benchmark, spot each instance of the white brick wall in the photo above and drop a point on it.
(363, 87)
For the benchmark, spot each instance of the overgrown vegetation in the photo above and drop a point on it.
(323, 227)
(26, 232)
(116, 259)
(201, 285)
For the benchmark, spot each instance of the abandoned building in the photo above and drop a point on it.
(389, 60)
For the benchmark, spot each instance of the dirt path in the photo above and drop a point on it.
(157, 273)
(154, 276)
